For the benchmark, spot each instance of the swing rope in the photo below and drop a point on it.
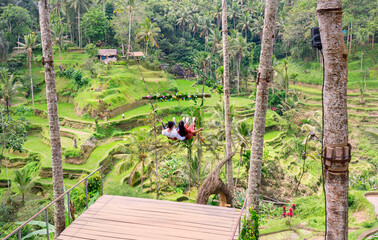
(145, 83)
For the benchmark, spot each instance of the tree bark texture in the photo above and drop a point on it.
(128, 46)
(263, 79)
(31, 78)
(351, 38)
(52, 106)
(226, 92)
(329, 14)
(213, 184)
(78, 24)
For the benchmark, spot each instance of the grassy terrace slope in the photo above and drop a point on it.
(311, 72)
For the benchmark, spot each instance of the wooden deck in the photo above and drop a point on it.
(115, 217)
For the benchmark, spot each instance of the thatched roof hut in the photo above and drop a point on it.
(107, 55)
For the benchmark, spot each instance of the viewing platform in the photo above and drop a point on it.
(116, 217)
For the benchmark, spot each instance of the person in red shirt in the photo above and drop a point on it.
(186, 130)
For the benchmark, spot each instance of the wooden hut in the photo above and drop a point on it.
(107, 55)
(135, 55)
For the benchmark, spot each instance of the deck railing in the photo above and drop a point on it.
(238, 224)
(45, 209)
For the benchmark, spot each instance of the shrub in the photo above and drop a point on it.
(6, 213)
(72, 153)
(113, 83)
(250, 229)
(24, 111)
(91, 50)
(172, 85)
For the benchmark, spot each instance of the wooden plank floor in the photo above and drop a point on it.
(115, 217)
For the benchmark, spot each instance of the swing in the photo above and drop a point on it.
(174, 136)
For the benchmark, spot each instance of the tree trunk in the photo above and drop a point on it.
(238, 73)
(156, 162)
(372, 42)
(60, 57)
(362, 56)
(2, 152)
(264, 77)
(141, 175)
(103, 6)
(226, 92)
(335, 139)
(129, 43)
(31, 79)
(52, 106)
(213, 184)
(350, 40)
(146, 47)
(347, 43)
(78, 25)
(190, 169)
(241, 156)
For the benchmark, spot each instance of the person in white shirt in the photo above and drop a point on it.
(171, 132)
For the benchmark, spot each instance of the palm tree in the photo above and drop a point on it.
(130, 7)
(226, 91)
(285, 63)
(217, 13)
(336, 146)
(27, 47)
(148, 32)
(78, 5)
(245, 23)
(257, 26)
(183, 18)
(206, 25)
(24, 181)
(59, 38)
(244, 132)
(234, 13)
(194, 23)
(52, 109)
(239, 48)
(264, 78)
(9, 88)
(218, 121)
(59, 6)
(202, 62)
(362, 37)
(139, 149)
(216, 40)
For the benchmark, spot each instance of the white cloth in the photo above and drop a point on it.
(172, 134)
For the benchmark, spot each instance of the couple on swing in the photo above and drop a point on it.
(184, 132)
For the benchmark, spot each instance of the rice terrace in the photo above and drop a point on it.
(162, 119)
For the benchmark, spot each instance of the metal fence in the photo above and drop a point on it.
(45, 209)
(238, 224)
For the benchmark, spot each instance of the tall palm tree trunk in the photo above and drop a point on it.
(146, 47)
(129, 43)
(264, 77)
(335, 139)
(60, 57)
(362, 56)
(52, 106)
(351, 38)
(141, 174)
(156, 161)
(78, 25)
(238, 74)
(226, 92)
(31, 79)
(241, 156)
